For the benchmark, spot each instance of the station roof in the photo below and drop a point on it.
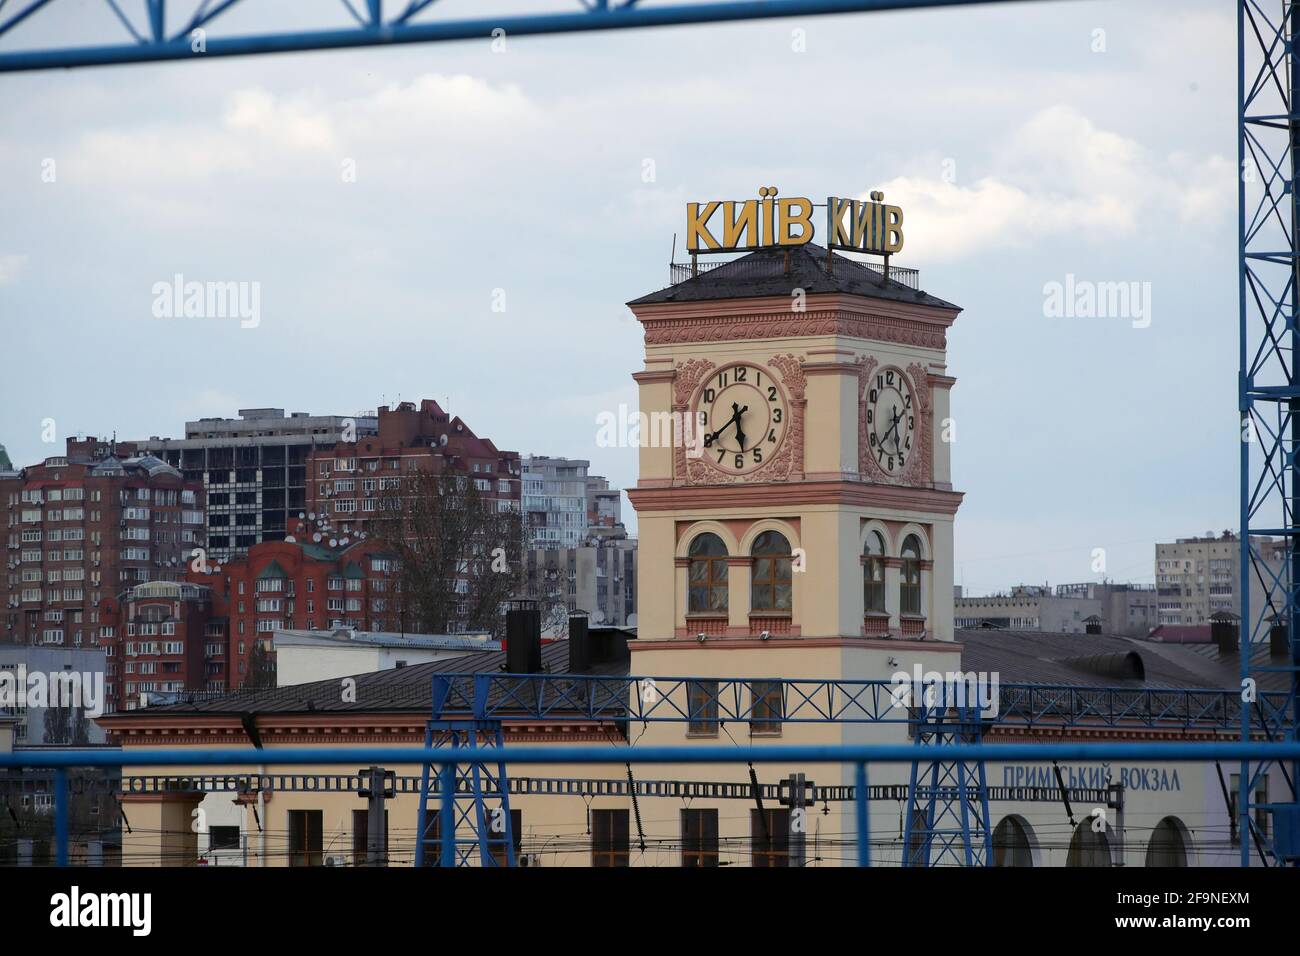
(763, 273)
(1016, 657)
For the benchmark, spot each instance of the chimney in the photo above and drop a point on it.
(1279, 640)
(579, 645)
(523, 638)
(1223, 632)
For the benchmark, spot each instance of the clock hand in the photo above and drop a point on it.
(740, 435)
(724, 427)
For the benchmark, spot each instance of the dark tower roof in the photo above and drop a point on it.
(763, 273)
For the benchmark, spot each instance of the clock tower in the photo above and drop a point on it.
(795, 505)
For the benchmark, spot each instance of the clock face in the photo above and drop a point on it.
(891, 420)
(742, 415)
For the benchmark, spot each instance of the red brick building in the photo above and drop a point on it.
(345, 481)
(290, 585)
(161, 637)
(84, 527)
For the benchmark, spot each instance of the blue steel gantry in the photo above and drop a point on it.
(154, 37)
(1268, 187)
(946, 817)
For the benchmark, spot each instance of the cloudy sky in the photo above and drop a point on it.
(381, 198)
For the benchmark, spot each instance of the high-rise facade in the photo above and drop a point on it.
(555, 500)
(85, 526)
(254, 469)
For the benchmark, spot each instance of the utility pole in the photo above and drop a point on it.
(378, 785)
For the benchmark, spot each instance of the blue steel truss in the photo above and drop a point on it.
(188, 36)
(465, 825)
(1269, 400)
(947, 821)
(732, 700)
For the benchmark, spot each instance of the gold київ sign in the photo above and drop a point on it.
(851, 224)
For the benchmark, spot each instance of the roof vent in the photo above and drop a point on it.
(1122, 666)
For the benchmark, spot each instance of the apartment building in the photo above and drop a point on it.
(597, 578)
(555, 500)
(1195, 577)
(346, 480)
(254, 469)
(85, 526)
(161, 638)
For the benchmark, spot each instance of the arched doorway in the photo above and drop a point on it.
(1169, 844)
(1088, 847)
(1013, 843)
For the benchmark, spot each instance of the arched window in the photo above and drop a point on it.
(1168, 846)
(1088, 847)
(770, 590)
(707, 578)
(909, 599)
(1011, 843)
(873, 573)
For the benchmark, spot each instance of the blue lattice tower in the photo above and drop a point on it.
(1269, 401)
(459, 802)
(947, 819)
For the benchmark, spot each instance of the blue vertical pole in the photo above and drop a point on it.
(61, 816)
(862, 813)
(447, 816)
(1246, 624)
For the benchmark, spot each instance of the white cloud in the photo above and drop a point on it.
(11, 266)
(1059, 175)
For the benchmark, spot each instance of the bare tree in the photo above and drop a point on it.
(458, 553)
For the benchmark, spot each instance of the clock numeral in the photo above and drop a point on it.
(708, 441)
(872, 439)
(901, 461)
(890, 466)
(776, 415)
(873, 396)
(907, 400)
(889, 378)
(771, 393)
(742, 374)
(758, 455)
(871, 417)
(911, 422)
(880, 456)
(709, 396)
(722, 453)
(740, 461)
(758, 378)
(771, 436)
